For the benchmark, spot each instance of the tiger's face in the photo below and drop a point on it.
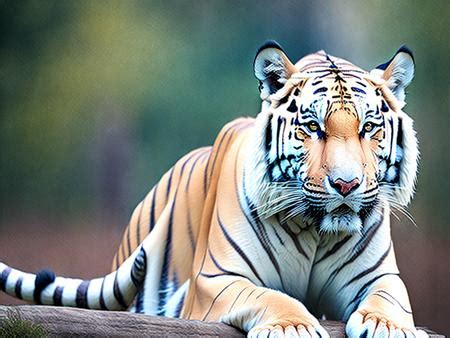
(336, 143)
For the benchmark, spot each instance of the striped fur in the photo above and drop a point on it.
(284, 219)
(112, 292)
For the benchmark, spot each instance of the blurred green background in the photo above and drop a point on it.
(99, 98)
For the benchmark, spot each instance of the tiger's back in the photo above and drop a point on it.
(172, 212)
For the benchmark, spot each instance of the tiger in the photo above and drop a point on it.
(282, 221)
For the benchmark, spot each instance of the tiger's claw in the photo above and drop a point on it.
(291, 331)
(371, 325)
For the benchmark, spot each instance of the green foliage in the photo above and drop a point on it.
(16, 327)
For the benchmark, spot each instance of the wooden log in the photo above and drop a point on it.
(60, 321)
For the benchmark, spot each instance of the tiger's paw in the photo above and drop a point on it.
(375, 325)
(294, 331)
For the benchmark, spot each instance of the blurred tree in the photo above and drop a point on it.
(175, 72)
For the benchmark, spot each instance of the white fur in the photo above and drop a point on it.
(408, 167)
(256, 161)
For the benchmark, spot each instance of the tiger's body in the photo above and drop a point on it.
(284, 219)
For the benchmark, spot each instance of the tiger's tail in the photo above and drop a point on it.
(114, 291)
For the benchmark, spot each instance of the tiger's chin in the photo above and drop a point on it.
(342, 219)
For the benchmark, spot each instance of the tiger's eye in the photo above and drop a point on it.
(368, 126)
(313, 126)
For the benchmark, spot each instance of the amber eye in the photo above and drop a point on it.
(313, 126)
(368, 127)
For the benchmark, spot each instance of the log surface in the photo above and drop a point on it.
(60, 321)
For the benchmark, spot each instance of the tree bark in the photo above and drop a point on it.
(61, 321)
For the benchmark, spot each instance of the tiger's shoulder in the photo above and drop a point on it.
(185, 184)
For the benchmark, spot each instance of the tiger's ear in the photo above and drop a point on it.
(272, 68)
(398, 72)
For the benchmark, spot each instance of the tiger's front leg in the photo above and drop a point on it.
(385, 311)
(260, 311)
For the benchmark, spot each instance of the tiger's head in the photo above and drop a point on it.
(333, 143)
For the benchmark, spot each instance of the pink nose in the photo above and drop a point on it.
(344, 187)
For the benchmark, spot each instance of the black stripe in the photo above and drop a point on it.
(280, 121)
(320, 90)
(129, 241)
(392, 298)
(137, 273)
(364, 288)
(238, 249)
(42, 280)
(190, 231)
(292, 107)
(189, 158)
(358, 90)
(216, 263)
(118, 294)
(180, 306)
(334, 249)
(164, 277)
(122, 249)
(368, 271)
(347, 74)
(315, 191)
(140, 302)
(237, 297)
(138, 231)
(400, 132)
(361, 83)
(81, 295)
(18, 288)
(4, 278)
(268, 134)
(248, 296)
(188, 182)
(224, 272)
(169, 182)
(261, 294)
(292, 235)
(216, 297)
(102, 299)
(57, 296)
(221, 274)
(278, 236)
(391, 123)
(183, 166)
(117, 260)
(332, 64)
(283, 100)
(152, 210)
(385, 298)
(384, 106)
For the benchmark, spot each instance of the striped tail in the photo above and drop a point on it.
(115, 291)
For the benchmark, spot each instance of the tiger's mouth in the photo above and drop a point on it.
(341, 218)
(342, 209)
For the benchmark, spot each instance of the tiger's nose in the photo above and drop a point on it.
(344, 187)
